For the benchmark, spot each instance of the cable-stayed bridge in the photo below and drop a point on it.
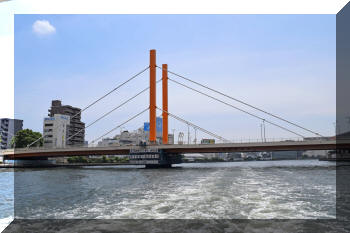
(163, 154)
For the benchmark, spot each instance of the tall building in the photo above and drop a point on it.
(159, 128)
(56, 131)
(75, 125)
(8, 128)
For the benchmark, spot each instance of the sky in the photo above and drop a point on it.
(284, 64)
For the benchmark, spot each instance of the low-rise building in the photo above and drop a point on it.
(135, 137)
(108, 142)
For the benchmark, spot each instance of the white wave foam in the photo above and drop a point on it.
(4, 222)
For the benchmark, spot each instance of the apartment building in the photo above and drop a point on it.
(76, 128)
(8, 128)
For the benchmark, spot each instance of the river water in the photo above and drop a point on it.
(299, 189)
(6, 197)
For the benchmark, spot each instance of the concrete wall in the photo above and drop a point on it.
(55, 131)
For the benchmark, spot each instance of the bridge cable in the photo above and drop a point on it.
(120, 125)
(251, 114)
(102, 97)
(193, 125)
(242, 102)
(106, 114)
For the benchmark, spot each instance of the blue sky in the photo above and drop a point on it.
(284, 64)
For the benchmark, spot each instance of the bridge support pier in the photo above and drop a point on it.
(166, 160)
(153, 166)
(154, 158)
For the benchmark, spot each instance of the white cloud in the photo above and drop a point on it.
(43, 27)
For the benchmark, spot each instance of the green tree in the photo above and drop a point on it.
(77, 159)
(25, 137)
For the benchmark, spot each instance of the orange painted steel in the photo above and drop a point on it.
(152, 97)
(165, 102)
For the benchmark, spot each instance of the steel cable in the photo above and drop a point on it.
(242, 102)
(106, 114)
(102, 97)
(119, 125)
(221, 101)
(193, 125)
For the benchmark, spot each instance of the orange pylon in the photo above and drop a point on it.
(152, 95)
(165, 102)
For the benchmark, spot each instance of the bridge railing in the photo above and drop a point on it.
(254, 140)
(241, 140)
(45, 148)
(267, 140)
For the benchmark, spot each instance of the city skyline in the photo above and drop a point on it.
(229, 53)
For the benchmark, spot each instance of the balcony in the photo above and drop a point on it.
(3, 139)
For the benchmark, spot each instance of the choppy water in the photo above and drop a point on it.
(6, 197)
(236, 190)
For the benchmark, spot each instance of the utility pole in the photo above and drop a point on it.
(188, 134)
(173, 135)
(195, 135)
(263, 132)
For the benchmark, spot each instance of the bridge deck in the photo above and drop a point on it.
(183, 149)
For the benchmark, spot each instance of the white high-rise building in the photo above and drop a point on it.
(55, 131)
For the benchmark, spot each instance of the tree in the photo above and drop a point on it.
(78, 159)
(25, 137)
